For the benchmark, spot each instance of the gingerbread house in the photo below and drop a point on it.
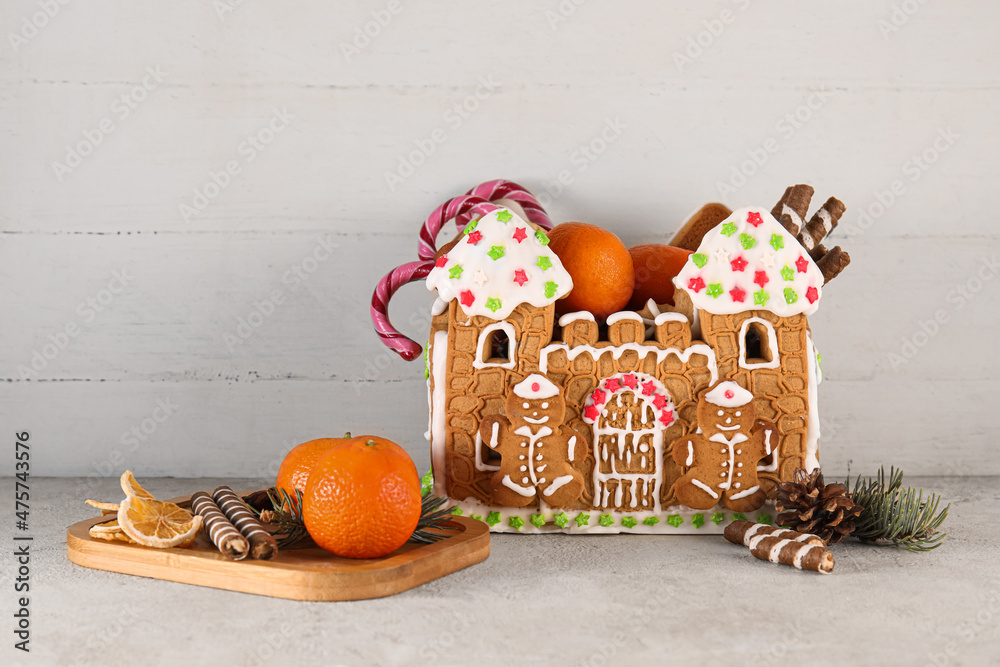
(621, 404)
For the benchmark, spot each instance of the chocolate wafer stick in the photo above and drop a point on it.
(832, 263)
(793, 207)
(223, 534)
(822, 223)
(778, 545)
(262, 545)
(817, 252)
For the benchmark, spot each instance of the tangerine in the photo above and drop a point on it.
(363, 498)
(655, 266)
(300, 461)
(599, 264)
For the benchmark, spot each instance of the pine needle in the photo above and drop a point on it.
(897, 515)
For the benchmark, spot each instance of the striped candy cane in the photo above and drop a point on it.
(476, 203)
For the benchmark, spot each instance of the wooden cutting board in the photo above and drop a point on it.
(296, 574)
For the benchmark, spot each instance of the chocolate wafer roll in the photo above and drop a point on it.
(832, 263)
(792, 207)
(822, 223)
(223, 534)
(262, 545)
(744, 532)
(817, 252)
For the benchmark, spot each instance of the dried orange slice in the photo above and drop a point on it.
(156, 523)
(104, 507)
(132, 488)
(110, 531)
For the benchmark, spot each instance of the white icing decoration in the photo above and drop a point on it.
(715, 270)
(624, 315)
(517, 488)
(812, 420)
(438, 307)
(572, 448)
(771, 451)
(533, 437)
(439, 358)
(485, 337)
(536, 387)
(743, 494)
(573, 317)
(669, 317)
(728, 394)
(492, 444)
(772, 344)
(557, 484)
(704, 487)
(690, 457)
(643, 350)
(487, 278)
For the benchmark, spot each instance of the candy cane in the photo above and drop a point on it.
(392, 281)
(477, 202)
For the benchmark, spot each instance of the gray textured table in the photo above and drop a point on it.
(618, 600)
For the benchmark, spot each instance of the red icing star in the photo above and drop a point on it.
(599, 397)
(591, 412)
(802, 264)
(612, 385)
(648, 388)
(738, 264)
(667, 417)
(520, 277)
(760, 277)
(754, 218)
(630, 381)
(441, 261)
(475, 237)
(696, 284)
(812, 294)
(467, 298)
(660, 401)
(520, 234)
(738, 294)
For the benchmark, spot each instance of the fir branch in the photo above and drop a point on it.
(897, 515)
(433, 516)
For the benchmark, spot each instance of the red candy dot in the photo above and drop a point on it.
(729, 393)
(535, 386)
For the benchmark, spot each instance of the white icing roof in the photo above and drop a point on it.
(750, 262)
(500, 263)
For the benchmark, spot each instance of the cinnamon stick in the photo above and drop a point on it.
(223, 534)
(779, 545)
(262, 545)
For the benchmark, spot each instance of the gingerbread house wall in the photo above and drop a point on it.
(781, 393)
(475, 393)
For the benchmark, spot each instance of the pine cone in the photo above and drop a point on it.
(810, 506)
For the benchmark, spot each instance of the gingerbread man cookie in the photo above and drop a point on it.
(536, 450)
(721, 460)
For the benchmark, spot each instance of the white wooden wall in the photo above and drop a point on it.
(872, 83)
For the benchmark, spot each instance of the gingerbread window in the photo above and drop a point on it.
(497, 344)
(758, 344)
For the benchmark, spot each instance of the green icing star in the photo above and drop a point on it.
(582, 520)
(738, 516)
(788, 273)
(718, 518)
(699, 259)
(496, 252)
(493, 304)
(764, 519)
(605, 520)
(777, 242)
(561, 519)
(651, 520)
(537, 520)
(550, 289)
(630, 522)
(427, 361)
(714, 290)
(675, 520)
(477, 517)
(698, 520)
(493, 518)
(542, 238)
(790, 295)
(516, 522)
(747, 241)
(457, 511)
(760, 298)
(504, 216)
(728, 229)
(471, 227)
(455, 271)
(543, 262)
(427, 482)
